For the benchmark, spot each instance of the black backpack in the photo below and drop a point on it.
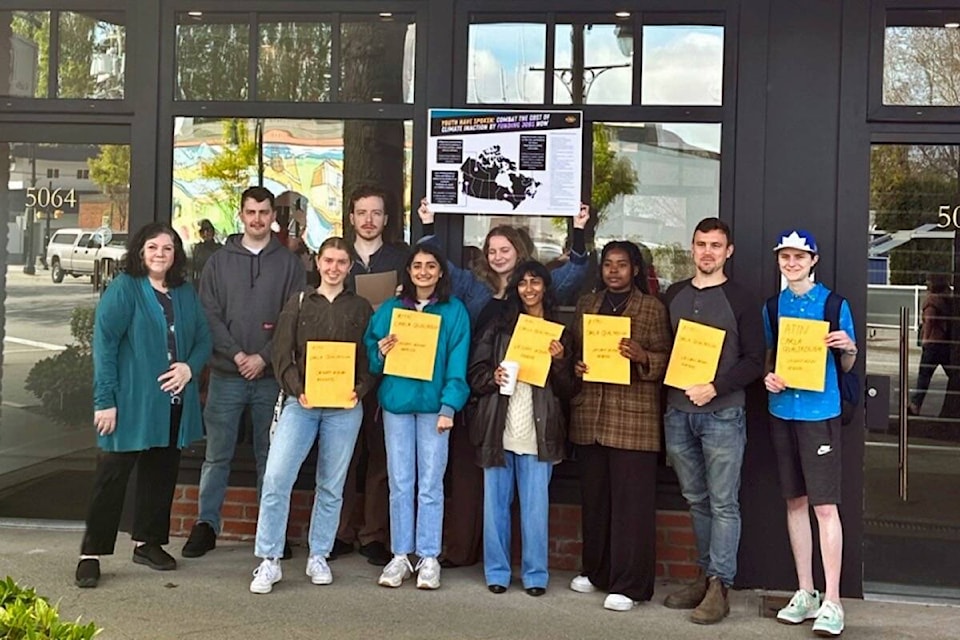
(848, 381)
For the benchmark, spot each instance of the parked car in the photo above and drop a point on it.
(83, 252)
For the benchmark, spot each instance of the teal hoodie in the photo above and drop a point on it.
(448, 391)
(130, 353)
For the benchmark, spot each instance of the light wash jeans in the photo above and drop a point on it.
(336, 431)
(532, 479)
(706, 451)
(416, 457)
(227, 396)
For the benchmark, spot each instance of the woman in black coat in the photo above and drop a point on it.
(520, 437)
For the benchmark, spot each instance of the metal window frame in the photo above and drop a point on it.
(877, 111)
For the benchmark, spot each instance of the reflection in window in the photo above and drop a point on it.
(921, 58)
(593, 64)
(24, 51)
(294, 62)
(908, 184)
(377, 58)
(319, 161)
(652, 184)
(92, 55)
(505, 63)
(682, 65)
(212, 54)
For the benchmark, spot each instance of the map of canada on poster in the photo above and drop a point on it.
(504, 162)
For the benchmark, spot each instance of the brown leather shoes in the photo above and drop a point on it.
(688, 597)
(715, 605)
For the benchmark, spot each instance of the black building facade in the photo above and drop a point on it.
(841, 117)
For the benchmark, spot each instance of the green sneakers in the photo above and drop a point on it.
(829, 622)
(802, 606)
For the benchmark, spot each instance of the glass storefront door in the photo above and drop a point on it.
(64, 206)
(912, 458)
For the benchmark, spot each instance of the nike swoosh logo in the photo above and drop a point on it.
(824, 450)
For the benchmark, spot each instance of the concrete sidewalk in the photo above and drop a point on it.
(208, 598)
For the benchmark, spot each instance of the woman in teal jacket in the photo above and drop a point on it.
(150, 340)
(418, 416)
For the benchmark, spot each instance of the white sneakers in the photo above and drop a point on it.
(265, 576)
(269, 573)
(318, 570)
(399, 569)
(428, 574)
(582, 584)
(396, 571)
(618, 602)
(613, 602)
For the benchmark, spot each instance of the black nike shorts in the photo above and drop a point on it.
(808, 458)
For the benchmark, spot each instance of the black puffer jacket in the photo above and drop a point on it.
(487, 411)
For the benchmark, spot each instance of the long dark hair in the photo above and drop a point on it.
(636, 261)
(133, 262)
(536, 269)
(409, 290)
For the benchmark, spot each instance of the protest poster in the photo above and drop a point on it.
(601, 349)
(530, 348)
(695, 355)
(802, 353)
(504, 162)
(330, 374)
(416, 349)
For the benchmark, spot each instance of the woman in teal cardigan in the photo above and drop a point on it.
(150, 341)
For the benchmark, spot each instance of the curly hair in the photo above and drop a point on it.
(133, 262)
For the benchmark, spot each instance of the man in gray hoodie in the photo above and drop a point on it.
(243, 288)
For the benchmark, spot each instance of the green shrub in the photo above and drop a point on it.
(64, 382)
(26, 615)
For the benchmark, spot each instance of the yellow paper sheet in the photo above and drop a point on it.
(331, 374)
(802, 353)
(530, 347)
(416, 349)
(695, 355)
(601, 348)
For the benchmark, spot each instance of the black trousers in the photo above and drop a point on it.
(618, 516)
(156, 481)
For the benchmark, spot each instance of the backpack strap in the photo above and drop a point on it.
(773, 315)
(831, 313)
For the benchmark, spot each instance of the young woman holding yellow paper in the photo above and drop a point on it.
(418, 416)
(329, 313)
(520, 437)
(617, 432)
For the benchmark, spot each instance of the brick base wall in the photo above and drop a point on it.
(676, 547)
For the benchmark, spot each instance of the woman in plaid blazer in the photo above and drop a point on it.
(616, 430)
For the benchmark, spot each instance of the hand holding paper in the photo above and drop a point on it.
(330, 375)
(413, 349)
(530, 347)
(802, 353)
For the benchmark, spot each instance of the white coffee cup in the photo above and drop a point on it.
(511, 370)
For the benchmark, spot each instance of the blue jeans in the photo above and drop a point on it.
(298, 428)
(532, 479)
(416, 456)
(227, 397)
(706, 451)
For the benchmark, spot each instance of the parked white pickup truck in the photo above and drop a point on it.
(77, 252)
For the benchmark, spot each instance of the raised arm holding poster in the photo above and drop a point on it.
(504, 162)
(416, 349)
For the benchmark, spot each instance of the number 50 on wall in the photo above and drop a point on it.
(947, 217)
